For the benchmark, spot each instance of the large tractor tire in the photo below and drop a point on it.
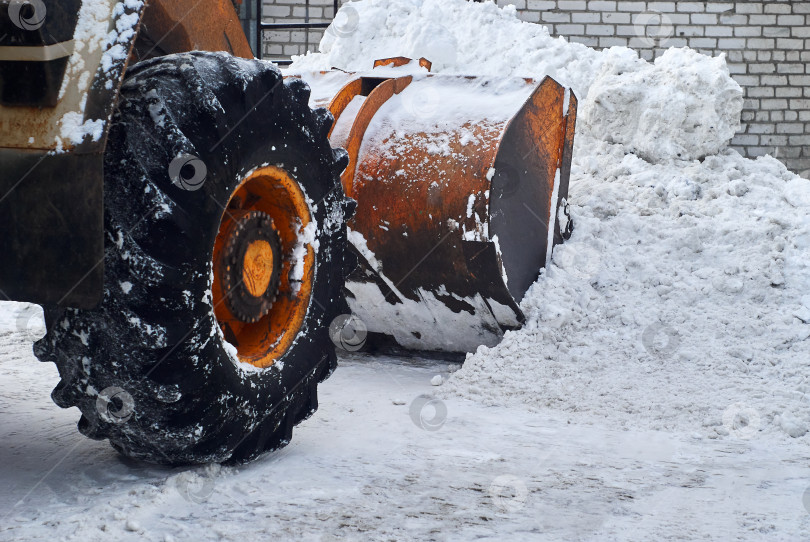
(224, 266)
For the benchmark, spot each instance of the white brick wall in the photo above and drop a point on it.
(283, 43)
(767, 45)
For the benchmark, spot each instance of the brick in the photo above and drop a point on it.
(801, 7)
(640, 44)
(632, 6)
(790, 20)
(569, 29)
(677, 18)
(733, 19)
(789, 152)
(749, 56)
(745, 116)
(555, 17)
(775, 80)
(586, 17)
(748, 7)
(760, 43)
(748, 31)
(276, 11)
(776, 140)
(777, 8)
(717, 7)
(804, 115)
(600, 30)
(690, 6)
(719, 31)
(779, 55)
(519, 4)
(616, 18)
(541, 5)
(626, 30)
(762, 68)
(731, 43)
(791, 115)
(612, 41)
(602, 5)
(736, 69)
(747, 80)
(663, 7)
(762, 19)
(571, 5)
(761, 129)
(776, 31)
(761, 92)
(789, 43)
(708, 43)
(777, 116)
(789, 128)
(703, 18)
(746, 139)
(773, 103)
(676, 42)
(529, 16)
(764, 56)
(689, 31)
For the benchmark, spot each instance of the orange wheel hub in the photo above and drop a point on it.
(262, 279)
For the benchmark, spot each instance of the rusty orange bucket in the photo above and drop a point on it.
(461, 186)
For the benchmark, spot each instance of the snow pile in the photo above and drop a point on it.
(682, 293)
(684, 106)
(682, 301)
(623, 98)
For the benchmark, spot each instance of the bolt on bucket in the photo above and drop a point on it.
(461, 186)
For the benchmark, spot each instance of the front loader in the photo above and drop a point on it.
(200, 228)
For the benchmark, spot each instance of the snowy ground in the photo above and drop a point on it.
(658, 390)
(364, 469)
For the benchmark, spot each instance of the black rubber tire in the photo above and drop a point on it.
(155, 336)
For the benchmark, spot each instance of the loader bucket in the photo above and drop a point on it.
(461, 185)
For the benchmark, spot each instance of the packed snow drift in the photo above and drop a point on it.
(682, 301)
